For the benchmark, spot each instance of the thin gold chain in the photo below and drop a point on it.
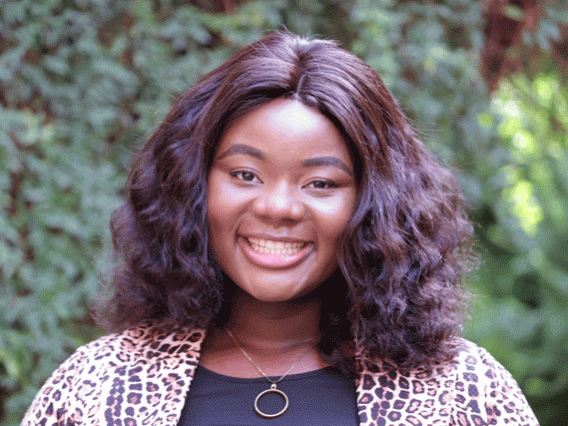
(258, 368)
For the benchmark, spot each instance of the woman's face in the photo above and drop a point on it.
(280, 191)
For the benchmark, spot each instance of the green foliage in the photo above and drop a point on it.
(525, 235)
(83, 82)
(511, 154)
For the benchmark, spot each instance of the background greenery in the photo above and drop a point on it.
(83, 82)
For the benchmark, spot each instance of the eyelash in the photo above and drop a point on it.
(327, 184)
(239, 175)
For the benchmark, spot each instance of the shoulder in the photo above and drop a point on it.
(149, 340)
(480, 377)
(473, 388)
(148, 352)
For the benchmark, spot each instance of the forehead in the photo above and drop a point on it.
(285, 126)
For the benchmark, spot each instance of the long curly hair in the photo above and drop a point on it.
(403, 253)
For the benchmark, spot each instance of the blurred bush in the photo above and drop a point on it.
(83, 82)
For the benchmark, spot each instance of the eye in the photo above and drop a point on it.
(321, 184)
(245, 175)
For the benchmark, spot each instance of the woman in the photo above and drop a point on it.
(290, 254)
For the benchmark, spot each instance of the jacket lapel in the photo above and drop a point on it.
(149, 384)
(385, 396)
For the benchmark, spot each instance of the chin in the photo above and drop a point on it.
(282, 297)
(274, 298)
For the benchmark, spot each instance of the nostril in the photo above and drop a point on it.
(280, 203)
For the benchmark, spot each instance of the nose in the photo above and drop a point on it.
(280, 202)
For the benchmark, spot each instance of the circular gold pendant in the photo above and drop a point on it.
(266, 392)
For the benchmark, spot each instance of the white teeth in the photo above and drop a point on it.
(274, 247)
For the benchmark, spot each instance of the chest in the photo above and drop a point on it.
(320, 397)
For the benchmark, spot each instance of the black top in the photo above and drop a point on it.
(320, 397)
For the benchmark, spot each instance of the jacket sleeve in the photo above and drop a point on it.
(505, 403)
(51, 405)
(139, 376)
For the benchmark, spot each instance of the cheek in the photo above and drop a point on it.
(216, 209)
(218, 229)
(334, 216)
(219, 199)
(226, 206)
(224, 198)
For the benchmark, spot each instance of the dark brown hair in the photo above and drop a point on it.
(404, 251)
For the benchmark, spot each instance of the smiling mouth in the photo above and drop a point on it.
(275, 254)
(275, 247)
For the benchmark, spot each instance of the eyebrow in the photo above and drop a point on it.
(239, 148)
(327, 161)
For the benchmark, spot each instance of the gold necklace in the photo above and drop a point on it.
(273, 388)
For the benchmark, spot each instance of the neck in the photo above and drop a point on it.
(274, 326)
(274, 335)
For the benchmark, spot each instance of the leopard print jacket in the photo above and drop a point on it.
(143, 375)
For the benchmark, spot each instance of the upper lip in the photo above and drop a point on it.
(284, 239)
